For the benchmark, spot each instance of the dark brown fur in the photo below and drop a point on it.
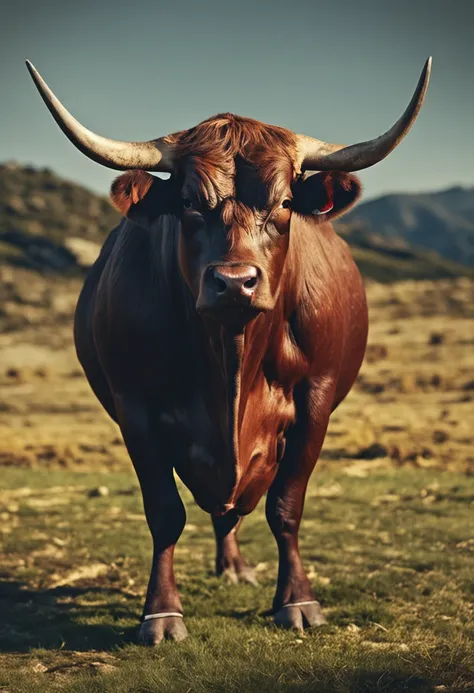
(236, 402)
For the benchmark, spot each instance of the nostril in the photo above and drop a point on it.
(221, 286)
(232, 280)
(219, 282)
(250, 283)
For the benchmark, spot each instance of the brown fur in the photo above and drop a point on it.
(208, 153)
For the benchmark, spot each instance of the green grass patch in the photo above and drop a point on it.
(390, 558)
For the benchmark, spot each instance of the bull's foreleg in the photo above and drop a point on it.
(295, 605)
(166, 517)
(229, 561)
(165, 514)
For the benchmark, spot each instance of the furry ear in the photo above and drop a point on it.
(143, 198)
(328, 194)
(129, 189)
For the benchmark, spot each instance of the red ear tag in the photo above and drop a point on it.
(327, 208)
(329, 204)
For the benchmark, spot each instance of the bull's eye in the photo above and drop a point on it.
(286, 204)
(187, 202)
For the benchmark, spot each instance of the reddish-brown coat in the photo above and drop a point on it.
(235, 410)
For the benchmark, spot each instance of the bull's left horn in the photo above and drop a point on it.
(155, 155)
(316, 155)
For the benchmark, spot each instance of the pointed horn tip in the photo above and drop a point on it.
(427, 67)
(31, 68)
(425, 76)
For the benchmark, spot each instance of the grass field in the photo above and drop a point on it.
(387, 535)
(389, 554)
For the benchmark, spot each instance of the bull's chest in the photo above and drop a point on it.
(228, 463)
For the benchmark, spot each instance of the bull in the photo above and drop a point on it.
(221, 325)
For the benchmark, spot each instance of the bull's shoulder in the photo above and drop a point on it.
(110, 241)
(322, 270)
(94, 274)
(329, 297)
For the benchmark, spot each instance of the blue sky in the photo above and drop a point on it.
(340, 71)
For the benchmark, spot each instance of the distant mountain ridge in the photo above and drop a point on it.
(440, 221)
(49, 224)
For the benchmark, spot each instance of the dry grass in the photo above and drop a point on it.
(413, 403)
(386, 536)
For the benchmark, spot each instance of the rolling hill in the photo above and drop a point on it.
(441, 221)
(50, 224)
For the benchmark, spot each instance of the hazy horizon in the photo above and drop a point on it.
(340, 74)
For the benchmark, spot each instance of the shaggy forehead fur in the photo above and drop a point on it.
(229, 157)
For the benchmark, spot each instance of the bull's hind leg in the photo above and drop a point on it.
(162, 614)
(229, 561)
(295, 605)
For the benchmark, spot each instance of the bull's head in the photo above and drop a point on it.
(235, 184)
(233, 239)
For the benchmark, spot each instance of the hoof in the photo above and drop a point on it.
(299, 616)
(153, 631)
(245, 574)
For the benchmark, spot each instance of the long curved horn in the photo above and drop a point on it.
(316, 155)
(155, 155)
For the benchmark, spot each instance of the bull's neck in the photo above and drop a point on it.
(231, 377)
(233, 353)
(237, 358)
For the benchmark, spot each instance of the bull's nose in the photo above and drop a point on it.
(235, 281)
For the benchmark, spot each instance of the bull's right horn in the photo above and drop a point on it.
(316, 155)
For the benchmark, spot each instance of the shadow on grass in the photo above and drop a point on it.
(388, 682)
(242, 615)
(52, 619)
